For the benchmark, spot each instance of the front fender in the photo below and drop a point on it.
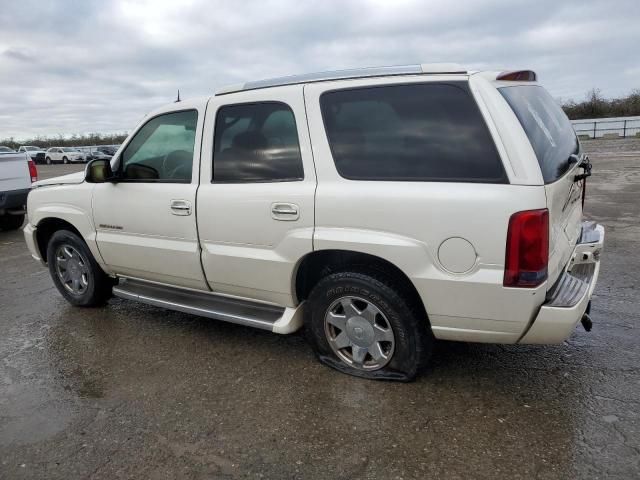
(69, 203)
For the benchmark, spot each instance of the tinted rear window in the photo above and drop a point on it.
(256, 142)
(415, 132)
(548, 128)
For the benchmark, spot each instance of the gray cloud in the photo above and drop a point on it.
(80, 66)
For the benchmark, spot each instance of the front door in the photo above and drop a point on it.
(145, 221)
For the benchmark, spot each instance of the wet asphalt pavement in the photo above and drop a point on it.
(133, 391)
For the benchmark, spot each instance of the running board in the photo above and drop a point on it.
(252, 314)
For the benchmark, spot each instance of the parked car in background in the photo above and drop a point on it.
(102, 152)
(4, 149)
(64, 155)
(380, 208)
(17, 172)
(36, 154)
(86, 151)
(108, 149)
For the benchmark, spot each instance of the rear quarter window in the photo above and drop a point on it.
(410, 132)
(549, 130)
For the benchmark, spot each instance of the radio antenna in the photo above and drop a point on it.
(178, 99)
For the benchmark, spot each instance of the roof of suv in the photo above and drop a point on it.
(425, 68)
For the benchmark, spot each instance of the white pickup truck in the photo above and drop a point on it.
(17, 172)
(381, 208)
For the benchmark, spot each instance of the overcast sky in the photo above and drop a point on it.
(82, 66)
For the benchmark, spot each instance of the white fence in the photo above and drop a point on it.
(607, 127)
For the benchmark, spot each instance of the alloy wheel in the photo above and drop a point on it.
(72, 269)
(359, 333)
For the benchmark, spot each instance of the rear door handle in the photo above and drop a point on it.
(287, 212)
(180, 207)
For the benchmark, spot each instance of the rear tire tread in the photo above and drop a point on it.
(410, 312)
(11, 222)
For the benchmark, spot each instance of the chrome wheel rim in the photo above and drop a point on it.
(359, 333)
(72, 269)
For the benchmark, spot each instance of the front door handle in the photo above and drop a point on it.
(285, 211)
(180, 207)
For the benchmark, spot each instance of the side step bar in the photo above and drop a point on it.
(252, 314)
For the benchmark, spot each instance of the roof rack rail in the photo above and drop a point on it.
(430, 68)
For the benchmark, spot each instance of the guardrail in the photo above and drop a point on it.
(607, 127)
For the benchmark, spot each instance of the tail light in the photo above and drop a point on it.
(33, 171)
(518, 76)
(527, 254)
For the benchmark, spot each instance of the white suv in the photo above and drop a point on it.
(380, 208)
(64, 155)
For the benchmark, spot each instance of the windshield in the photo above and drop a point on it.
(69, 149)
(547, 127)
(31, 149)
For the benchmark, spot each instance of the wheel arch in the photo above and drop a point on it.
(45, 230)
(317, 264)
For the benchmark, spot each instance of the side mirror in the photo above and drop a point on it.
(99, 171)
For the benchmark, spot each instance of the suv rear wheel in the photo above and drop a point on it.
(364, 324)
(74, 271)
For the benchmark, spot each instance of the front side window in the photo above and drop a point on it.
(256, 142)
(410, 132)
(162, 150)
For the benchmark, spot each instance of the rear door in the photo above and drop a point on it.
(256, 196)
(554, 142)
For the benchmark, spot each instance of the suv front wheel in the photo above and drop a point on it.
(365, 325)
(74, 271)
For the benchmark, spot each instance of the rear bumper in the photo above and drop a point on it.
(567, 301)
(14, 199)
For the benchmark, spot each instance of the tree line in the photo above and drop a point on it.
(595, 105)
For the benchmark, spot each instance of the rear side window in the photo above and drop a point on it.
(416, 132)
(256, 142)
(548, 128)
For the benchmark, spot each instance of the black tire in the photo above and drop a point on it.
(98, 284)
(65, 160)
(11, 222)
(411, 330)
(47, 160)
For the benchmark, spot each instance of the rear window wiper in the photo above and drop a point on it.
(584, 163)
